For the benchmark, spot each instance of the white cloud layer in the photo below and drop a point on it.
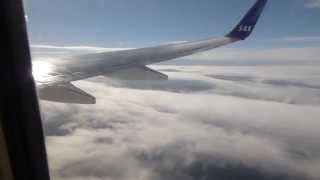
(205, 122)
(299, 39)
(273, 54)
(163, 133)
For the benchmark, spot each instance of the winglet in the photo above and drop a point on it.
(248, 22)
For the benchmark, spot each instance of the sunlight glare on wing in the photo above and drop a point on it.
(41, 70)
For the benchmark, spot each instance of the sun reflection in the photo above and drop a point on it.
(41, 70)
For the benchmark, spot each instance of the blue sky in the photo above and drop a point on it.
(127, 23)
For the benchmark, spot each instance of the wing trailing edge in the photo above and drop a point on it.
(66, 93)
(137, 73)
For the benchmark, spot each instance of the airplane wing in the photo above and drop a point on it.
(130, 64)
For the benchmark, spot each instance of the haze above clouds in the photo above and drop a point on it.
(208, 121)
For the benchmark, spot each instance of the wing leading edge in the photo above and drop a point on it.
(131, 64)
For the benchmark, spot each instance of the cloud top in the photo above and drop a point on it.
(206, 122)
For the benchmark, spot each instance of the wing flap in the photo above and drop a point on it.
(66, 93)
(137, 73)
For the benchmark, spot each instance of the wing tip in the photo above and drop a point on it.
(246, 26)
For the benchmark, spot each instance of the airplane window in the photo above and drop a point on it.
(150, 89)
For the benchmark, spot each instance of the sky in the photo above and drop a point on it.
(138, 23)
(246, 111)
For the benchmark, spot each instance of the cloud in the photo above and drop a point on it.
(241, 126)
(272, 54)
(163, 135)
(299, 39)
(205, 122)
(312, 3)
